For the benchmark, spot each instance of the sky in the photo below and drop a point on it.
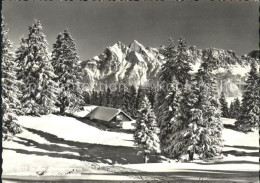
(95, 25)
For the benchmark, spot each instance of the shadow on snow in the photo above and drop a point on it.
(80, 150)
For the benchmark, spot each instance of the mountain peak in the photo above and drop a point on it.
(135, 42)
(136, 46)
(119, 44)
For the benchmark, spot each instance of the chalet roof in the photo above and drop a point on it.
(105, 113)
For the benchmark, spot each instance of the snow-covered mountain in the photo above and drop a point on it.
(133, 64)
(136, 64)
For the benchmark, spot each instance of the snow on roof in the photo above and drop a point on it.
(105, 113)
(85, 112)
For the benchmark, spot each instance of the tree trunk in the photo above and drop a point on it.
(145, 158)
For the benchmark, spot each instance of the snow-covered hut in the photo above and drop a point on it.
(111, 117)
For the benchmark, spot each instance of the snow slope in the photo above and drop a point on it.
(61, 145)
(240, 162)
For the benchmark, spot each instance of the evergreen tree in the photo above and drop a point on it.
(36, 72)
(126, 99)
(235, 110)
(108, 98)
(87, 97)
(223, 105)
(177, 62)
(231, 110)
(146, 134)
(100, 98)
(66, 66)
(10, 91)
(176, 144)
(116, 98)
(159, 106)
(169, 116)
(91, 97)
(139, 96)
(197, 128)
(250, 109)
(132, 102)
(151, 95)
(94, 97)
(175, 72)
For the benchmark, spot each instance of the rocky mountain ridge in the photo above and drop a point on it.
(139, 65)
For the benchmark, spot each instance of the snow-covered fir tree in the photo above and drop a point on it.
(133, 97)
(116, 98)
(231, 109)
(87, 97)
(212, 142)
(100, 98)
(202, 129)
(139, 96)
(36, 72)
(127, 98)
(177, 62)
(10, 101)
(175, 72)
(204, 76)
(223, 105)
(146, 134)
(108, 101)
(169, 115)
(66, 64)
(94, 97)
(198, 129)
(250, 108)
(151, 95)
(235, 109)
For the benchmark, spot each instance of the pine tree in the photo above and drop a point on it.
(211, 138)
(94, 97)
(151, 95)
(223, 105)
(169, 116)
(10, 91)
(175, 72)
(132, 102)
(146, 134)
(177, 145)
(126, 99)
(108, 102)
(116, 98)
(235, 110)
(100, 98)
(36, 72)
(250, 109)
(177, 62)
(139, 96)
(231, 109)
(65, 62)
(160, 106)
(197, 128)
(87, 97)
(164, 98)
